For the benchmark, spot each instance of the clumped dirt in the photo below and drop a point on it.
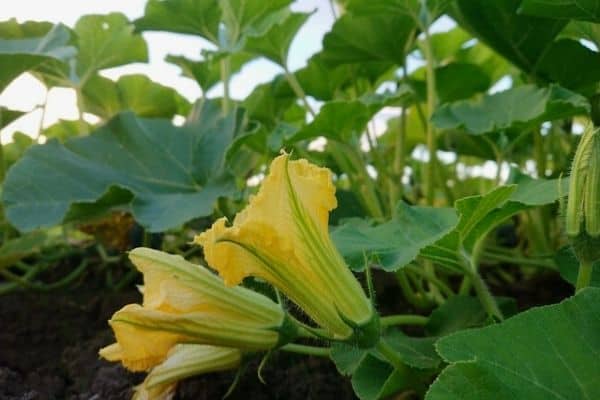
(49, 344)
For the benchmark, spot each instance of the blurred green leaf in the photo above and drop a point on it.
(522, 39)
(587, 10)
(548, 352)
(395, 243)
(522, 107)
(106, 41)
(568, 266)
(21, 55)
(382, 35)
(208, 71)
(374, 378)
(195, 17)
(454, 81)
(174, 173)
(247, 18)
(463, 312)
(7, 116)
(275, 44)
(66, 129)
(105, 97)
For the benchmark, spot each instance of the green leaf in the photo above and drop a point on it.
(485, 58)
(445, 45)
(346, 120)
(7, 116)
(374, 378)
(195, 17)
(521, 107)
(568, 266)
(394, 243)
(363, 75)
(538, 192)
(30, 243)
(12, 29)
(523, 40)
(173, 173)
(378, 36)
(66, 129)
(136, 93)
(250, 18)
(572, 65)
(275, 44)
(583, 30)
(587, 10)
(208, 71)
(21, 55)
(268, 102)
(548, 352)
(463, 312)
(14, 150)
(106, 41)
(454, 81)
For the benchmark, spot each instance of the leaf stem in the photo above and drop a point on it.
(431, 278)
(308, 350)
(584, 275)
(225, 75)
(390, 355)
(403, 319)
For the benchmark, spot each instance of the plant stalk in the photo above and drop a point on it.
(584, 277)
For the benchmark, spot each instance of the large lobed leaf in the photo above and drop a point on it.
(519, 107)
(397, 242)
(549, 352)
(166, 174)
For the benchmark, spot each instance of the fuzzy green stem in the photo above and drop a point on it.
(391, 355)
(485, 296)
(431, 104)
(584, 276)
(308, 350)
(404, 319)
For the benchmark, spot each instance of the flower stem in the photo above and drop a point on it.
(308, 350)
(404, 319)
(485, 296)
(584, 276)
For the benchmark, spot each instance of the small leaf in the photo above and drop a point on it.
(7, 116)
(136, 93)
(587, 10)
(568, 266)
(378, 36)
(21, 55)
(397, 242)
(275, 44)
(106, 41)
(521, 107)
(548, 352)
(463, 312)
(173, 173)
(202, 17)
(208, 71)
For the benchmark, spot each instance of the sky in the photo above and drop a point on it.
(25, 93)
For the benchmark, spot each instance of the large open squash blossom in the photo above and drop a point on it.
(282, 236)
(186, 303)
(183, 361)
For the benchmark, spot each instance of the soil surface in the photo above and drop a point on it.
(49, 344)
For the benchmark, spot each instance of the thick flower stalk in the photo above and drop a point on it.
(187, 303)
(282, 237)
(183, 361)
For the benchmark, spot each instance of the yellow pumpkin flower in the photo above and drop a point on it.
(183, 361)
(282, 237)
(186, 303)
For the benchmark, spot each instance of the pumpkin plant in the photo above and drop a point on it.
(382, 206)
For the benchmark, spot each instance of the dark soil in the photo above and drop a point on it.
(49, 344)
